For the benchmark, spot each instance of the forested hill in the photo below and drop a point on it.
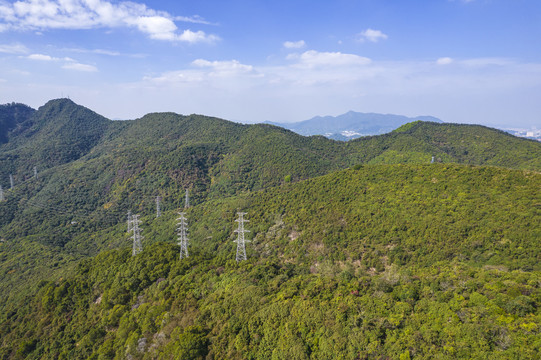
(377, 261)
(353, 263)
(57, 133)
(459, 143)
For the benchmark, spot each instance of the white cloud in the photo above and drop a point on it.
(232, 65)
(13, 49)
(207, 73)
(41, 57)
(198, 36)
(89, 14)
(80, 67)
(294, 44)
(371, 35)
(69, 63)
(196, 19)
(312, 58)
(444, 61)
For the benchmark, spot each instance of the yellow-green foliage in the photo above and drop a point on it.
(401, 261)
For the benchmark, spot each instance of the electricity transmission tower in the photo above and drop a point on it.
(11, 180)
(1, 193)
(241, 249)
(136, 236)
(158, 210)
(129, 220)
(183, 235)
(187, 200)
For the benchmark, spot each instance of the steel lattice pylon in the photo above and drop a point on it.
(241, 241)
(183, 235)
(133, 224)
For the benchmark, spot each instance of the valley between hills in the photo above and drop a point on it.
(365, 249)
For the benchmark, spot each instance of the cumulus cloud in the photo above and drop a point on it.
(89, 14)
(371, 35)
(294, 44)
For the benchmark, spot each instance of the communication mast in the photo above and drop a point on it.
(183, 235)
(158, 210)
(136, 236)
(241, 248)
(187, 200)
(35, 172)
(11, 180)
(1, 193)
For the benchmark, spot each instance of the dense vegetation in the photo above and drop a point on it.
(413, 260)
(394, 261)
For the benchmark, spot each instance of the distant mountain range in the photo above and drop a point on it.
(351, 125)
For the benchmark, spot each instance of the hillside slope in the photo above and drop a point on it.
(397, 261)
(97, 170)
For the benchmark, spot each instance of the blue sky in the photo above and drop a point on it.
(466, 61)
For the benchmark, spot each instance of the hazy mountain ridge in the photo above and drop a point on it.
(351, 125)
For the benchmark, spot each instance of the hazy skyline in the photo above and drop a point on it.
(469, 61)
